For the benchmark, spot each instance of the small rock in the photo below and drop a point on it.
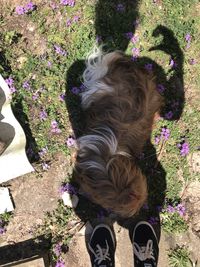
(70, 200)
(86, 229)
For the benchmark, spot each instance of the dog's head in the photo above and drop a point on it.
(111, 179)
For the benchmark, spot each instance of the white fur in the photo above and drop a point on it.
(103, 136)
(96, 69)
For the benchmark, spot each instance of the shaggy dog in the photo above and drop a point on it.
(120, 101)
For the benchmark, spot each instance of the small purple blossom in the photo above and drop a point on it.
(82, 88)
(153, 220)
(180, 209)
(68, 22)
(98, 39)
(184, 148)
(120, 8)
(157, 140)
(134, 39)
(60, 263)
(148, 66)
(59, 50)
(45, 166)
(43, 115)
(169, 115)
(9, 81)
(136, 51)
(129, 35)
(49, 64)
(170, 209)
(26, 85)
(43, 151)
(75, 90)
(2, 230)
(188, 37)
(12, 89)
(54, 127)
(29, 7)
(76, 18)
(192, 61)
(70, 141)
(165, 133)
(172, 63)
(67, 3)
(58, 249)
(35, 96)
(160, 88)
(69, 188)
(62, 97)
(20, 10)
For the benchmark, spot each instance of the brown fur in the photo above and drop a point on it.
(129, 112)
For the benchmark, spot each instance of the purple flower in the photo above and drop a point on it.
(129, 35)
(12, 89)
(172, 63)
(169, 115)
(170, 209)
(188, 37)
(68, 188)
(153, 220)
(68, 22)
(49, 64)
(180, 209)
(75, 90)
(60, 263)
(9, 81)
(160, 88)
(43, 151)
(98, 39)
(20, 10)
(70, 142)
(165, 133)
(76, 18)
(45, 166)
(157, 140)
(184, 149)
(136, 51)
(59, 50)
(148, 66)
(67, 3)
(58, 249)
(29, 7)
(26, 85)
(134, 39)
(120, 8)
(2, 230)
(54, 127)
(82, 88)
(35, 96)
(192, 61)
(43, 115)
(62, 97)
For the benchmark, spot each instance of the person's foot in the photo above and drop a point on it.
(102, 247)
(145, 245)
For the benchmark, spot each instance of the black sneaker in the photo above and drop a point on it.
(145, 245)
(102, 247)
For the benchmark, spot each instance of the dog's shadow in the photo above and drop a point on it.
(110, 28)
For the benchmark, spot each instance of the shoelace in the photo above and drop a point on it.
(101, 254)
(144, 253)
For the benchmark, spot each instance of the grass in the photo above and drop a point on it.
(180, 257)
(50, 74)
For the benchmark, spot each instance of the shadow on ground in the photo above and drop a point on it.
(111, 23)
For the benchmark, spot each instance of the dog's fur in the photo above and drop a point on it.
(120, 101)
